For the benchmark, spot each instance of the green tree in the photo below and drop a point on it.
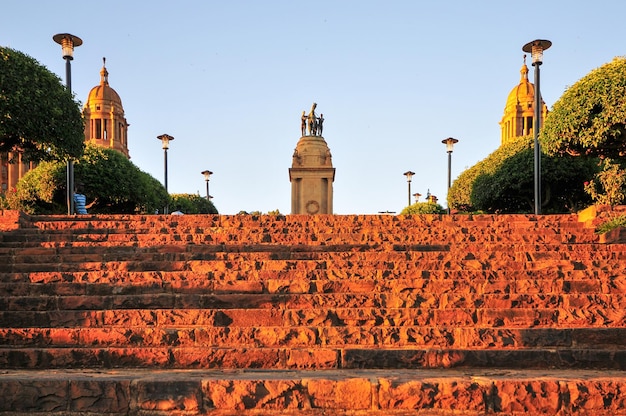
(590, 117)
(504, 181)
(37, 113)
(191, 204)
(117, 185)
(609, 184)
(590, 120)
(423, 208)
(462, 189)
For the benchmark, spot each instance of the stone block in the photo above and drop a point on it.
(36, 396)
(313, 359)
(528, 396)
(272, 394)
(167, 396)
(354, 394)
(434, 394)
(227, 358)
(99, 396)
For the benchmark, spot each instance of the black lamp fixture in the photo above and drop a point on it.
(536, 48)
(165, 141)
(68, 42)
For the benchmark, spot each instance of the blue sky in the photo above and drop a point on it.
(230, 79)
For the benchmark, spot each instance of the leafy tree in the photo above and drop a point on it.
(106, 175)
(191, 204)
(275, 212)
(462, 189)
(608, 186)
(504, 181)
(590, 117)
(37, 113)
(423, 208)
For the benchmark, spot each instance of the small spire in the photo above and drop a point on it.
(524, 71)
(104, 74)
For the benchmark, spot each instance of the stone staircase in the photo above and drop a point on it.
(313, 315)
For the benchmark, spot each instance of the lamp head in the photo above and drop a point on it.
(206, 174)
(536, 48)
(409, 175)
(165, 139)
(449, 142)
(68, 42)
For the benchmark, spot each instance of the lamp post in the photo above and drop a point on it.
(417, 196)
(207, 174)
(165, 140)
(536, 48)
(449, 142)
(68, 42)
(409, 175)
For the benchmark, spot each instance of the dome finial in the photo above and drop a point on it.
(524, 71)
(104, 74)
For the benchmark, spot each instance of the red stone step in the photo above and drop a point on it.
(314, 393)
(235, 265)
(467, 285)
(221, 331)
(399, 253)
(329, 311)
(310, 357)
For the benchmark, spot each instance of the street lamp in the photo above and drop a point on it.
(536, 48)
(417, 196)
(206, 174)
(68, 42)
(409, 175)
(165, 140)
(449, 142)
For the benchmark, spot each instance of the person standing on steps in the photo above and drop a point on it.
(80, 201)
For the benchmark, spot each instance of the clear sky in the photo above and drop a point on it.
(230, 79)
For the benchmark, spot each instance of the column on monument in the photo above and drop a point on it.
(295, 195)
(329, 197)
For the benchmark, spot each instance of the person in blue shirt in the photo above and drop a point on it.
(80, 201)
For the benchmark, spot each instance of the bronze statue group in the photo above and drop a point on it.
(315, 124)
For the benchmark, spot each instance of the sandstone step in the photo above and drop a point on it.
(329, 311)
(224, 332)
(333, 237)
(404, 297)
(234, 265)
(312, 393)
(395, 253)
(468, 285)
(446, 278)
(310, 357)
(297, 228)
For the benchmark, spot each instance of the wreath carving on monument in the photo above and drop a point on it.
(312, 207)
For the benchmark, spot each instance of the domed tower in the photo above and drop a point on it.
(312, 173)
(105, 124)
(519, 112)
